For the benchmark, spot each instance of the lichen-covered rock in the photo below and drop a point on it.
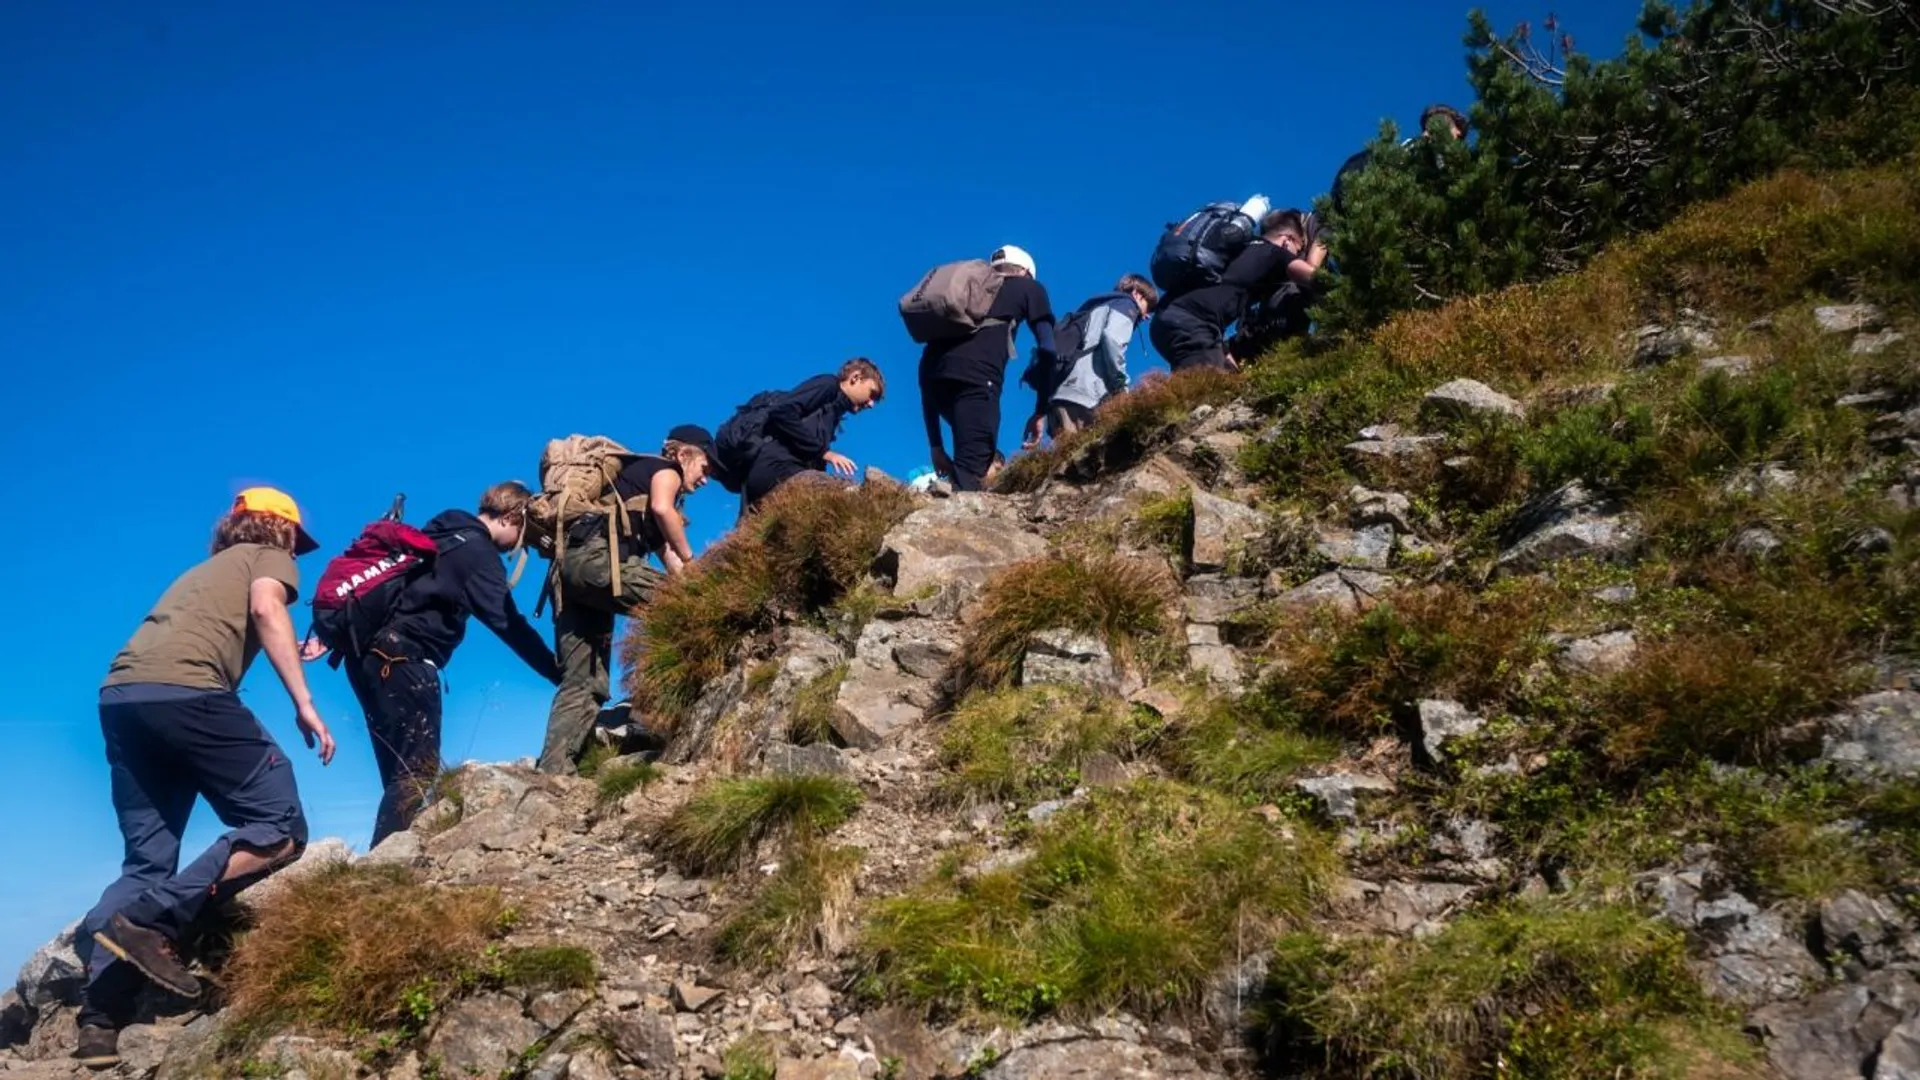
(1602, 654)
(482, 1035)
(1069, 658)
(1339, 793)
(1571, 523)
(1443, 721)
(1220, 528)
(1346, 590)
(1877, 736)
(1837, 1033)
(880, 697)
(1468, 397)
(958, 543)
(1846, 318)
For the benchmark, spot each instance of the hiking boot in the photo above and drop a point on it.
(99, 1047)
(150, 951)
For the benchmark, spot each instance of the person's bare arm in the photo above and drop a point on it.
(660, 503)
(267, 602)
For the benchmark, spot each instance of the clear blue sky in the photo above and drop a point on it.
(354, 248)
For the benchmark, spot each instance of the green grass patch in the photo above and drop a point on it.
(751, 1058)
(615, 782)
(1548, 991)
(1166, 523)
(1029, 744)
(1131, 899)
(727, 818)
(810, 719)
(806, 904)
(1251, 747)
(543, 967)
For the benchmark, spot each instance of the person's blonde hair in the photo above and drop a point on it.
(505, 499)
(254, 527)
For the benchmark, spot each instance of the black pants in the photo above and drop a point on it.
(972, 410)
(1187, 341)
(400, 694)
(772, 466)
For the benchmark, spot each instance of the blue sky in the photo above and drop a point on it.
(353, 248)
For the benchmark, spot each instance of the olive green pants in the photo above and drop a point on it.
(583, 642)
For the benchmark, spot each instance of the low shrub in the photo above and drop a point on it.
(1131, 899)
(1547, 991)
(727, 818)
(1126, 428)
(1249, 748)
(1117, 598)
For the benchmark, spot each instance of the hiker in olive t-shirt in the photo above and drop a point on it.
(175, 730)
(585, 601)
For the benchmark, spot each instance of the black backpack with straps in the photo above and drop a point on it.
(740, 438)
(1193, 253)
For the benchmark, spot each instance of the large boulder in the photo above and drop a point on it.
(887, 690)
(1068, 658)
(1839, 1033)
(1571, 523)
(1220, 528)
(53, 975)
(1464, 398)
(1878, 736)
(958, 543)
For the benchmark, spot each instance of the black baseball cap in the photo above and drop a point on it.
(693, 435)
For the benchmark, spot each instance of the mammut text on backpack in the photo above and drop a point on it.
(356, 594)
(1193, 253)
(951, 301)
(740, 438)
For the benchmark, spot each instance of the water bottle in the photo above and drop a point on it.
(1256, 208)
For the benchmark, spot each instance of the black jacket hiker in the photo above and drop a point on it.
(397, 679)
(800, 431)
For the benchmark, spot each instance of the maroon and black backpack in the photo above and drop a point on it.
(356, 594)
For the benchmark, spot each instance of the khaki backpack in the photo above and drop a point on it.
(576, 480)
(951, 301)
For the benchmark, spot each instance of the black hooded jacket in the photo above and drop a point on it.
(467, 579)
(802, 427)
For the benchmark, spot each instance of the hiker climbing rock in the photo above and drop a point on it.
(1090, 360)
(966, 314)
(395, 667)
(1190, 330)
(175, 729)
(777, 436)
(1450, 120)
(600, 568)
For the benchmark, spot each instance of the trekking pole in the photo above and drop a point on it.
(397, 512)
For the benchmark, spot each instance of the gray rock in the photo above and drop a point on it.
(1347, 590)
(501, 828)
(1215, 598)
(556, 1009)
(1220, 527)
(1753, 956)
(1462, 398)
(1339, 793)
(1219, 663)
(1064, 657)
(1870, 930)
(1660, 344)
(645, 1039)
(925, 658)
(1733, 367)
(1617, 594)
(1873, 344)
(16, 1020)
(957, 543)
(1767, 478)
(1571, 523)
(1368, 548)
(1603, 654)
(898, 1033)
(1835, 1033)
(1757, 543)
(1441, 721)
(1418, 908)
(692, 997)
(1869, 541)
(1877, 737)
(1233, 988)
(1871, 399)
(144, 1046)
(590, 1067)
(483, 787)
(1369, 507)
(1042, 812)
(482, 1035)
(399, 849)
(878, 699)
(1847, 318)
(1371, 452)
(1899, 1056)
(53, 975)
(1093, 1059)
(820, 759)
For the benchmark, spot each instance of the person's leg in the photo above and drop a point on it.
(1185, 341)
(769, 471)
(245, 776)
(363, 676)
(974, 412)
(152, 804)
(404, 723)
(1067, 417)
(583, 644)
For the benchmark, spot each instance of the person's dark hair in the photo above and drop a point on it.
(253, 527)
(1134, 283)
(1454, 116)
(505, 499)
(860, 365)
(1278, 220)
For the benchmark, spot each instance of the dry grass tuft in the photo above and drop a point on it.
(1125, 429)
(808, 545)
(807, 904)
(1120, 599)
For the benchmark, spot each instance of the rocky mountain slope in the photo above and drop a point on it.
(1526, 691)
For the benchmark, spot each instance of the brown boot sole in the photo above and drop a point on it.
(161, 981)
(99, 1061)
